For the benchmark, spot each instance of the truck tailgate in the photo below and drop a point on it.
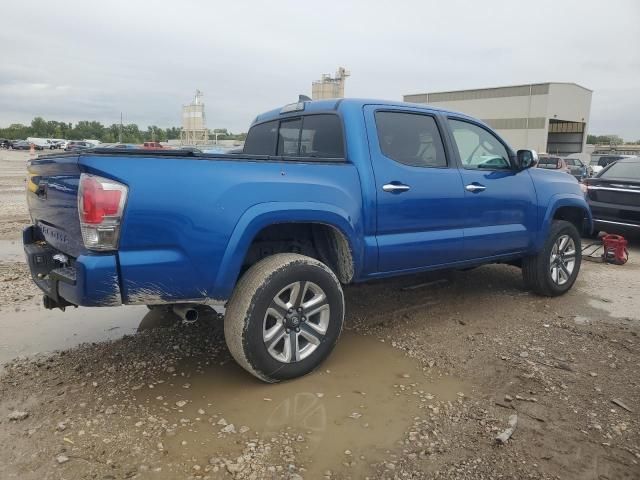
(52, 190)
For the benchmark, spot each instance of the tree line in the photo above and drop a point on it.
(608, 140)
(131, 133)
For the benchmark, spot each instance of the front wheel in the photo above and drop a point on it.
(554, 270)
(284, 317)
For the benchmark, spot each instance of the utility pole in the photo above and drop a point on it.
(120, 133)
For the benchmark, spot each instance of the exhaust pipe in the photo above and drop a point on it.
(187, 313)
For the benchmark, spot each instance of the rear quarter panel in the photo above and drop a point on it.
(189, 221)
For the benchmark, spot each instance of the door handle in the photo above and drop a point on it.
(472, 187)
(395, 187)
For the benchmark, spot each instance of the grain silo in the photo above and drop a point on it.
(330, 87)
(194, 127)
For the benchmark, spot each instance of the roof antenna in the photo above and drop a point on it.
(303, 98)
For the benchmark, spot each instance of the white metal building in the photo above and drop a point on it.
(547, 117)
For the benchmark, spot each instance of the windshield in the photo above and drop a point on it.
(628, 170)
(604, 161)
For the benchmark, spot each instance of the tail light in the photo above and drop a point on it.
(100, 206)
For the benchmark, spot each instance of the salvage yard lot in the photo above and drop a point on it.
(428, 373)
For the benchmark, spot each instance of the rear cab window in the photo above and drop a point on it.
(289, 138)
(309, 136)
(548, 162)
(261, 139)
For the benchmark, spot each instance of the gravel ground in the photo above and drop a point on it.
(430, 371)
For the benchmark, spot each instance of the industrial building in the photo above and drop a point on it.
(623, 149)
(330, 87)
(194, 127)
(547, 117)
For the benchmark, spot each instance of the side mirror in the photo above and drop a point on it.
(527, 159)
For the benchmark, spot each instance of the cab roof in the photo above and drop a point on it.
(341, 104)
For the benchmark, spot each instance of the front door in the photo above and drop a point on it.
(419, 190)
(499, 200)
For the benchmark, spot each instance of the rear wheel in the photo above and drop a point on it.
(554, 270)
(285, 317)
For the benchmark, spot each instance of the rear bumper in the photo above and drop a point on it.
(609, 215)
(604, 224)
(88, 280)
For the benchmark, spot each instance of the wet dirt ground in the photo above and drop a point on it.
(427, 373)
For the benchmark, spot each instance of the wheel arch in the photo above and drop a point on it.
(331, 225)
(570, 207)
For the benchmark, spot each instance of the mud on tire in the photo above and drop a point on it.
(284, 317)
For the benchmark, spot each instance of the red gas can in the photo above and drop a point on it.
(615, 249)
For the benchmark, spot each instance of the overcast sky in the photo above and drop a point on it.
(87, 60)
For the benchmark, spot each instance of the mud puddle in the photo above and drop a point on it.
(349, 413)
(11, 251)
(33, 331)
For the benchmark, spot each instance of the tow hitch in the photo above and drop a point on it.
(51, 304)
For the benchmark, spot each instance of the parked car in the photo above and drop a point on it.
(74, 146)
(4, 143)
(325, 193)
(42, 143)
(614, 196)
(553, 163)
(20, 145)
(25, 145)
(598, 163)
(122, 145)
(577, 168)
(152, 146)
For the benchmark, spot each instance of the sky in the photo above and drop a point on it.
(74, 60)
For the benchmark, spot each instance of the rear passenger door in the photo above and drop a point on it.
(418, 187)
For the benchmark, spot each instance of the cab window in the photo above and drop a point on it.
(478, 149)
(309, 136)
(261, 139)
(289, 138)
(410, 138)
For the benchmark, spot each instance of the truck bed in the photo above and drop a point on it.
(187, 217)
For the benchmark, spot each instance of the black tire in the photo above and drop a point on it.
(537, 270)
(246, 322)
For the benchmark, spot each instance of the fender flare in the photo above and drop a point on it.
(259, 216)
(557, 201)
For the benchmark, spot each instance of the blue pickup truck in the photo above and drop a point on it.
(324, 193)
